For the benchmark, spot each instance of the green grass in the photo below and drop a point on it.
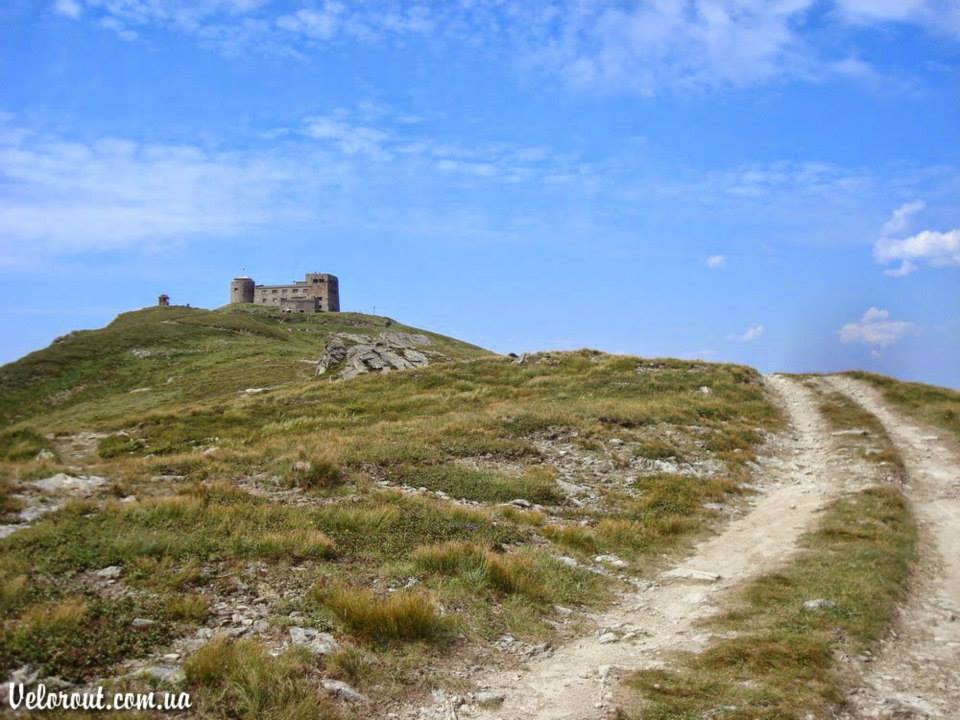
(21, 444)
(843, 413)
(534, 577)
(218, 524)
(240, 680)
(937, 406)
(9, 505)
(669, 511)
(76, 637)
(536, 485)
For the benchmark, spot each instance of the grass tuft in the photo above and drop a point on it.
(402, 616)
(241, 680)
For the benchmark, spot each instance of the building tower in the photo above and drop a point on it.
(326, 288)
(163, 300)
(241, 290)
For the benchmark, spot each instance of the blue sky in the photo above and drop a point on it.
(774, 182)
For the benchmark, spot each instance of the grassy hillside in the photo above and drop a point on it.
(418, 516)
(164, 356)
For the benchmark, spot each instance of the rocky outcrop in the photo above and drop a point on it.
(358, 354)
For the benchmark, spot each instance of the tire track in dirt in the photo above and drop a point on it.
(917, 674)
(578, 680)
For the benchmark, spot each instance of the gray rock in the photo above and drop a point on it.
(819, 604)
(906, 707)
(164, 673)
(142, 623)
(110, 572)
(568, 561)
(318, 643)
(490, 698)
(704, 390)
(694, 575)
(45, 454)
(361, 354)
(69, 484)
(611, 560)
(608, 637)
(341, 690)
(416, 357)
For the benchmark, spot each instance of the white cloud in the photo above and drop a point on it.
(643, 46)
(321, 24)
(902, 217)
(68, 8)
(938, 249)
(937, 15)
(348, 138)
(932, 247)
(649, 46)
(65, 197)
(716, 261)
(819, 179)
(880, 9)
(68, 197)
(876, 330)
(125, 33)
(378, 132)
(749, 335)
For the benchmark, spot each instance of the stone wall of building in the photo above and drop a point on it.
(241, 290)
(320, 289)
(300, 305)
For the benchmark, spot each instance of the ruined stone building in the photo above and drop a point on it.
(317, 292)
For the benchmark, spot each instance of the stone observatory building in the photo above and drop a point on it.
(317, 292)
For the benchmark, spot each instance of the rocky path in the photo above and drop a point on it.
(578, 680)
(917, 674)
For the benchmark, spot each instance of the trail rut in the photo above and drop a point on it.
(917, 674)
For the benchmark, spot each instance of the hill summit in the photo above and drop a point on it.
(161, 356)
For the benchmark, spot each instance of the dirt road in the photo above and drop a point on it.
(917, 674)
(578, 680)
